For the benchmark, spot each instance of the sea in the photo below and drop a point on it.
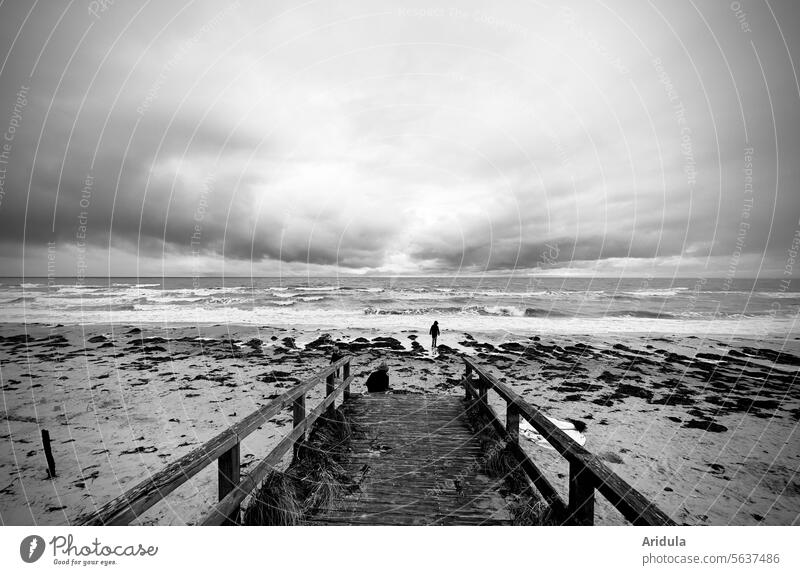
(522, 305)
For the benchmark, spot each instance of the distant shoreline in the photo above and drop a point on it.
(518, 275)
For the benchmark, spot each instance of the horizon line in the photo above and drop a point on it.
(509, 275)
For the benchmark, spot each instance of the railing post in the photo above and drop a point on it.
(330, 385)
(512, 422)
(580, 509)
(467, 380)
(482, 389)
(228, 477)
(346, 376)
(298, 418)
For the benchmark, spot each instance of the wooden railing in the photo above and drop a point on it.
(587, 473)
(224, 448)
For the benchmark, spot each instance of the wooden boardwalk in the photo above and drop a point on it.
(415, 458)
(419, 464)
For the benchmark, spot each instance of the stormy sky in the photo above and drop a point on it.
(639, 138)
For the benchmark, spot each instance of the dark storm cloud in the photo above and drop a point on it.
(375, 138)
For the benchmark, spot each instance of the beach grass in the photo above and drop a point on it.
(274, 503)
(313, 480)
(524, 504)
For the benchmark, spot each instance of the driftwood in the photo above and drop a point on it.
(48, 453)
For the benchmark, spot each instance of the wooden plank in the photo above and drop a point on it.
(470, 391)
(298, 415)
(634, 506)
(536, 476)
(418, 463)
(581, 495)
(229, 466)
(230, 504)
(346, 376)
(512, 422)
(562, 442)
(330, 386)
(135, 501)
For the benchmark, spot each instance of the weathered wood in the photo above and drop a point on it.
(298, 415)
(346, 376)
(634, 506)
(512, 422)
(229, 466)
(330, 386)
(581, 495)
(417, 462)
(483, 388)
(536, 476)
(135, 501)
(48, 453)
(469, 390)
(562, 442)
(230, 504)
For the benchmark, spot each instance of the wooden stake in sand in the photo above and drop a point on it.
(51, 464)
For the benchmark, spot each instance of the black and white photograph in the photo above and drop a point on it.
(531, 264)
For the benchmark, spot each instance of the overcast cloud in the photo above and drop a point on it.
(365, 137)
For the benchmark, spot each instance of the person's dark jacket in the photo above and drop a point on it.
(378, 381)
(434, 330)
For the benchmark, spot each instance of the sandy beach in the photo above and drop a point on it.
(707, 428)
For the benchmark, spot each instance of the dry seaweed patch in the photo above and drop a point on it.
(313, 480)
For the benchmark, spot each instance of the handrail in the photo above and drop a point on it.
(507, 433)
(228, 506)
(223, 448)
(587, 472)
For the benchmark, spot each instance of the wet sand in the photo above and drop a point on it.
(707, 428)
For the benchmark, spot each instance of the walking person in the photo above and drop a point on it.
(434, 331)
(336, 355)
